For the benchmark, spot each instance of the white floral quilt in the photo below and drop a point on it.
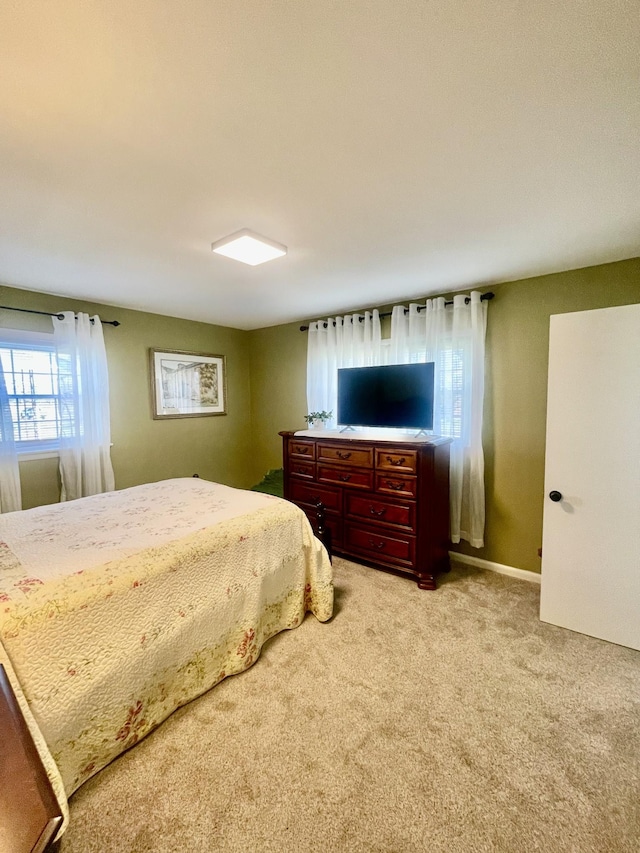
(119, 608)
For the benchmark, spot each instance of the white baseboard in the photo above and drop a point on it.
(476, 562)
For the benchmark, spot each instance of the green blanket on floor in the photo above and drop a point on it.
(272, 483)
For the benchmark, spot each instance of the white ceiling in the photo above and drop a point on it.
(397, 147)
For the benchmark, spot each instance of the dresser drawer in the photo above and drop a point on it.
(347, 454)
(399, 461)
(309, 493)
(395, 548)
(351, 478)
(396, 484)
(301, 449)
(370, 508)
(302, 468)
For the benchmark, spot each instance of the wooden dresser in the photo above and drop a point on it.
(386, 503)
(29, 813)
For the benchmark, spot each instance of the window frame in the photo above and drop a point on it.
(31, 449)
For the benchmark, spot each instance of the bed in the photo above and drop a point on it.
(119, 608)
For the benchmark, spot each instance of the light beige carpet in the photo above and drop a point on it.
(413, 721)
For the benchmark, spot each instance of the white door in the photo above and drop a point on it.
(591, 534)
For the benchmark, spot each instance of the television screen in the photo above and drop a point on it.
(395, 395)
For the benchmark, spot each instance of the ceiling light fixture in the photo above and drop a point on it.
(249, 248)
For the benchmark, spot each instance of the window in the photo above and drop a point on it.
(449, 391)
(30, 368)
(451, 370)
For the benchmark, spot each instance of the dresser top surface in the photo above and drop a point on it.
(371, 436)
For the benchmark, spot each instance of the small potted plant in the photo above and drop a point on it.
(318, 420)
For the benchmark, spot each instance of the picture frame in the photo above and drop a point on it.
(187, 384)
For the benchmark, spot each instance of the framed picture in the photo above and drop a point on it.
(187, 384)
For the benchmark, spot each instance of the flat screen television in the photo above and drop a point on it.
(395, 395)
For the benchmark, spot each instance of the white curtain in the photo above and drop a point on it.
(454, 338)
(354, 340)
(83, 387)
(10, 493)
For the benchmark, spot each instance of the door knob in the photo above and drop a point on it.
(555, 496)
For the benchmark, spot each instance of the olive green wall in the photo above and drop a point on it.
(515, 396)
(278, 391)
(144, 449)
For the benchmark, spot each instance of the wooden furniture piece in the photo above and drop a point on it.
(29, 812)
(386, 503)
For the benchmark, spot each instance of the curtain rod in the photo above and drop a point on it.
(485, 297)
(53, 314)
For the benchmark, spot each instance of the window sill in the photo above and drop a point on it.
(45, 454)
(27, 456)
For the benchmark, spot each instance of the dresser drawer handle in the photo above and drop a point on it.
(378, 545)
(377, 512)
(300, 449)
(342, 455)
(299, 470)
(345, 478)
(391, 485)
(393, 461)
